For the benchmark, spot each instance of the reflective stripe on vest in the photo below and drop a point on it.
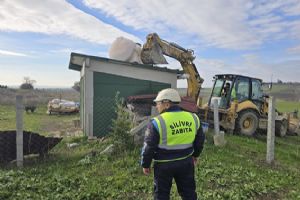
(177, 130)
(161, 161)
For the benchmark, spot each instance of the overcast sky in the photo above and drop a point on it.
(254, 38)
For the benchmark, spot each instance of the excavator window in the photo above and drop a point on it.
(241, 89)
(222, 92)
(257, 93)
(226, 89)
(218, 88)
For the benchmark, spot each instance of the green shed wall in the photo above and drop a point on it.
(105, 89)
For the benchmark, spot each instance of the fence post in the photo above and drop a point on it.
(219, 139)
(19, 128)
(216, 117)
(271, 131)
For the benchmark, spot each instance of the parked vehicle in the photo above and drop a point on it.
(62, 106)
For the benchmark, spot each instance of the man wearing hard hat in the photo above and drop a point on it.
(173, 140)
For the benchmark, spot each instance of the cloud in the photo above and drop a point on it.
(285, 68)
(251, 65)
(56, 17)
(273, 20)
(214, 21)
(287, 71)
(66, 51)
(294, 50)
(11, 53)
(208, 68)
(225, 24)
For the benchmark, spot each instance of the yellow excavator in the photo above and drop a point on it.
(243, 108)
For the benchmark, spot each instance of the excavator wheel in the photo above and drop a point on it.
(246, 123)
(281, 128)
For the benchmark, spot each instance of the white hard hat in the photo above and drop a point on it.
(168, 94)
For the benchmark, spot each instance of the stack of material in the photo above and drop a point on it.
(141, 105)
(62, 106)
(125, 50)
(33, 143)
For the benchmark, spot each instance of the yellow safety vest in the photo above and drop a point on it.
(177, 130)
(233, 94)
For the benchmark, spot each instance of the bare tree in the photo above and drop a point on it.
(27, 83)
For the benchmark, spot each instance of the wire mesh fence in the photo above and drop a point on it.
(104, 113)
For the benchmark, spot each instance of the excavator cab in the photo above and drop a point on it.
(229, 87)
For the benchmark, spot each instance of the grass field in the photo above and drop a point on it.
(39, 121)
(236, 171)
(287, 106)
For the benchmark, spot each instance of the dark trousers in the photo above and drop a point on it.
(183, 173)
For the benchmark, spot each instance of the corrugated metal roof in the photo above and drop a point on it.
(76, 61)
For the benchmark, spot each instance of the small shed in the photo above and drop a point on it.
(100, 80)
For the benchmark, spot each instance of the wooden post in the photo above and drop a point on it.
(216, 117)
(271, 131)
(19, 128)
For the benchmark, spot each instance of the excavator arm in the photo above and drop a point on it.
(153, 51)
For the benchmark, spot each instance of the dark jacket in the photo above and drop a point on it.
(151, 151)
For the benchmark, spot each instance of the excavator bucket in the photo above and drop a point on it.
(153, 54)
